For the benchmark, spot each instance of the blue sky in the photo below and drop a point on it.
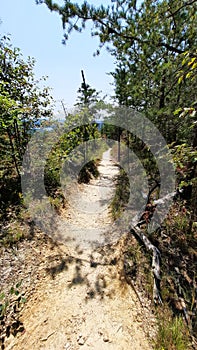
(38, 33)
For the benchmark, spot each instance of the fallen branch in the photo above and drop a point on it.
(137, 221)
(155, 262)
(47, 337)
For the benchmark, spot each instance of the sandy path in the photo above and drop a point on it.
(83, 303)
(87, 220)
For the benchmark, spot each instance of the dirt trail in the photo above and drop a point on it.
(87, 221)
(83, 303)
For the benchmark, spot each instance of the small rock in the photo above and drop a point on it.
(100, 332)
(105, 338)
(108, 292)
(81, 340)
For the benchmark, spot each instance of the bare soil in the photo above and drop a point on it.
(77, 294)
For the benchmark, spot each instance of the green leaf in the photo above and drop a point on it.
(18, 284)
(2, 296)
(12, 290)
(192, 61)
(180, 79)
(188, 75)
(23, 300)
(178, 111)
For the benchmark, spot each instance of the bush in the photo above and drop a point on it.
(87, 172)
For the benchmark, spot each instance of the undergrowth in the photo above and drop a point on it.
(121, 196)
(10, 306)
(173, 333)
(176, 241)
(88, 172)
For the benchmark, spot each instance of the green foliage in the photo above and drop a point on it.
(177, 243)
(172, 333)
(148, 42)
(189, 66)
(22, 104)
(121, 196)
(10, 306)
(72, 140)
(67, 156)
(57, 201)
(88, 172)
(185, 158)
(87, 96)
(12, 235)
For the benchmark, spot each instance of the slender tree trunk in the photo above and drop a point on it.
(118, 144)
(13, 152)
(64, 109)
(128, 149)
(17, 139)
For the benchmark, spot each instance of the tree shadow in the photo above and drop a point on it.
(84, 271)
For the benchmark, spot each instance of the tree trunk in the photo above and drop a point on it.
(13, 152)
(118, 144)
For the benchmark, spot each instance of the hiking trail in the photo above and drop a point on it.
(83, 301)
